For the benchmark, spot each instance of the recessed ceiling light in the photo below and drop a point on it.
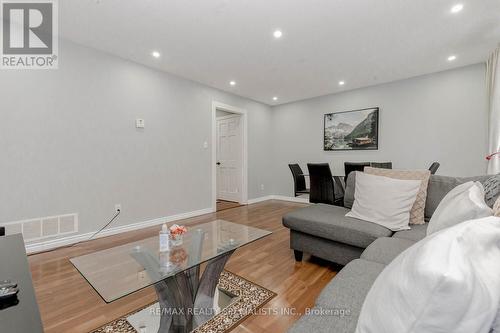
(233, 83)
(452, 57)
(277, 34)
(155, 54)
(457, 8)
(341, 83)
(275, 98)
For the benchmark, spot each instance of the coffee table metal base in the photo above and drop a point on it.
(186, 300)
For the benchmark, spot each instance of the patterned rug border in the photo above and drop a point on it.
(218, 322)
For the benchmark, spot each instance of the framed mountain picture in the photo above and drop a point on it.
(351, 130)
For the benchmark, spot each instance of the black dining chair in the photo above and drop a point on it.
(434, 167)
(360, 166)
(381, 165)
(354, 166)
(299, 180)
(322, 185)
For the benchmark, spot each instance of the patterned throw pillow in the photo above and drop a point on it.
(417, 211)
(491, 190)
(496, 212)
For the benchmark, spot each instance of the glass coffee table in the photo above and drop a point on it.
(186, 300)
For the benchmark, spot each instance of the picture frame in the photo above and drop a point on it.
(351, 130)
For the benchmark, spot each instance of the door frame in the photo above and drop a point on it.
(244, 142)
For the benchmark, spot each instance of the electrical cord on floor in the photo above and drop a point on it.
(118, 211)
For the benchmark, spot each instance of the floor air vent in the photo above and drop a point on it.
(44, 227)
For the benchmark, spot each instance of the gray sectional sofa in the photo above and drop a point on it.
(364, 248)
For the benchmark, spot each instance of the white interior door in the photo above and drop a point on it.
(229, 158)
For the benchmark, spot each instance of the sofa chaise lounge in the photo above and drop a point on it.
(363, 247)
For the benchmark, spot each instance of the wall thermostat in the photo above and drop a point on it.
(139, 123)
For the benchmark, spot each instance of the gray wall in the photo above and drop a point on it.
(69, 142)
(439, 117)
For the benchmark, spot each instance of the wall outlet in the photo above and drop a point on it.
(118, 208)
(262, 187)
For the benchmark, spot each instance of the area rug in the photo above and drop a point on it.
(249, 297)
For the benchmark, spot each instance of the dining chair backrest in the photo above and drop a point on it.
(434, 167)
(354, 166)
(322, 184)
(299, 181)
(360, 166)
(381, 165)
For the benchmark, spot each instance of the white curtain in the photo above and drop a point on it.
(493, 84)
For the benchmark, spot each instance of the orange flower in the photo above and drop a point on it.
(177, 230)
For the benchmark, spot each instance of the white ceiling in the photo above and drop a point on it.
(363, 42)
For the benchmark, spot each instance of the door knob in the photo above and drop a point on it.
(218, 163)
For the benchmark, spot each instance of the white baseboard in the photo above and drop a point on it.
(68, 240)
(278, 197)
(51, 244)
(256, 200)
(292, 199)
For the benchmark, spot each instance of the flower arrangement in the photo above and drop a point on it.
(177, 230)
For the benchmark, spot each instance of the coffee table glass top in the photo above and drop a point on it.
(124, 269)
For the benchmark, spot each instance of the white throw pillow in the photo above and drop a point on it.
(464, 202)
(447, 282)
(383, 200)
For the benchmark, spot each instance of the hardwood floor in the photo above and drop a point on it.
(69, 304)
(223, 205)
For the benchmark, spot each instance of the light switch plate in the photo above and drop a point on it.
(139, 123)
